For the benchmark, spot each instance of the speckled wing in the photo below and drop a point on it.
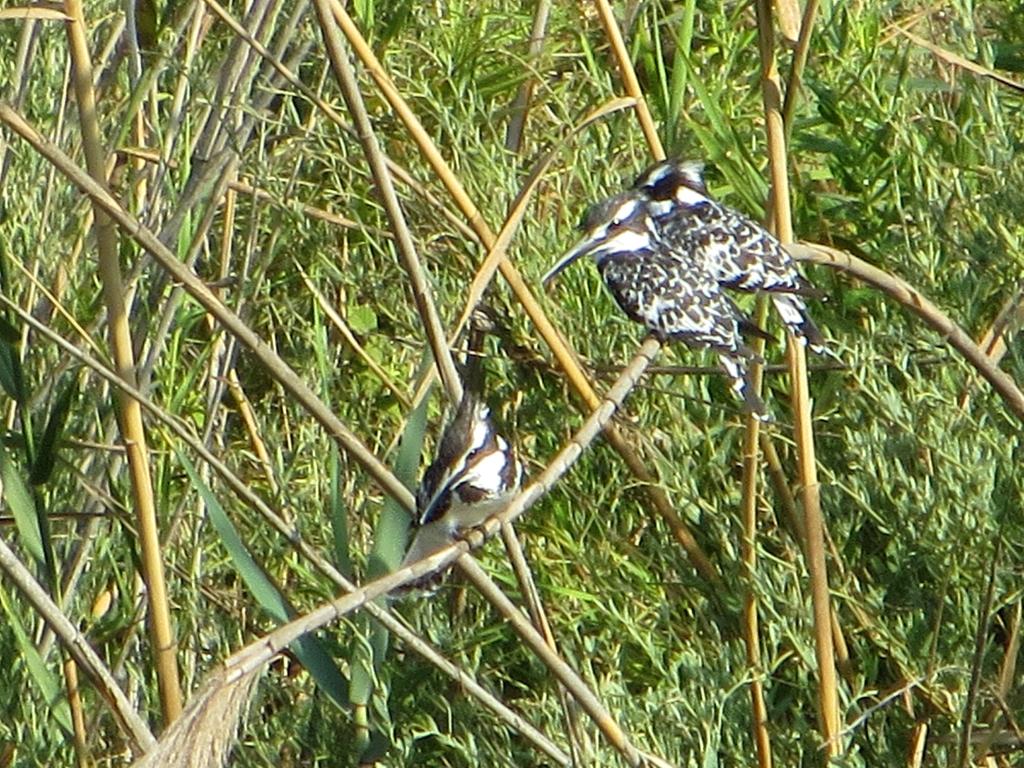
(673, 299)
(678, 301)
(744, 256)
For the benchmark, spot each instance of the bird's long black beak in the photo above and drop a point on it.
(582, 248)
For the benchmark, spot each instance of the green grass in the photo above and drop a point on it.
(895, 155)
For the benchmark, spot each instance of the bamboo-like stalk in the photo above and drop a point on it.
(80, 740)
(828, 693)
(521, 106)
(995, 339)
(748, 558)
(566, 358)
(795, 525)
(129, 414)
(797, 66)
(629, 81)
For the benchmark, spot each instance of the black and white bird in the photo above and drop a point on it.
(737, 251)
(676, 299)
(474, 475)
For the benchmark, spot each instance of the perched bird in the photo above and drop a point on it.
(676, 299)
(475, 474)
(738, 252)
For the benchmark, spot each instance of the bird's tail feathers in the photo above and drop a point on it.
(793, 312)
(743, 384)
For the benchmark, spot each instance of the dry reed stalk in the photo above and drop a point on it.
(748, 557)
(629, 81)
(380, 613)
(244, 665)
(912, 299)
(564, 673)
(129, 413)
(521, 106)
(418, 282)
(132, 725)
(828, 693)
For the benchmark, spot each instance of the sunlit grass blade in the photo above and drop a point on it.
(48, 684)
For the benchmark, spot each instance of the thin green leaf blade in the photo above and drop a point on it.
(48, 684)
(46, 452)
(308, 649)
(19, 501)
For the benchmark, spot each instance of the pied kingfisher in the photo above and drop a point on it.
(674, 298)
(476, 471)
(667, 251)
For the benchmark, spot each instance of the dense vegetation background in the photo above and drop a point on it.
(903, 143)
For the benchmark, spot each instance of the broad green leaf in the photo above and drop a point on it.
(308, 648)
(361, 319)
(390, 535)
(388, 548)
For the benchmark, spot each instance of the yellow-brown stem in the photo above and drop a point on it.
(129, 412)
(748, 549)
(565, 356)
(828, 698)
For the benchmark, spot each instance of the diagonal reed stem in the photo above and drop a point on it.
(274, 365)
(418, 282)
(259, 652)
(629, 80)
(133, 726)
(896, 288)
(565, 674)
(565, 357)
(244, 492)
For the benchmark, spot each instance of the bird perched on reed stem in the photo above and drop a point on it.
(667, 252)
(475, 473)
(737, 251)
